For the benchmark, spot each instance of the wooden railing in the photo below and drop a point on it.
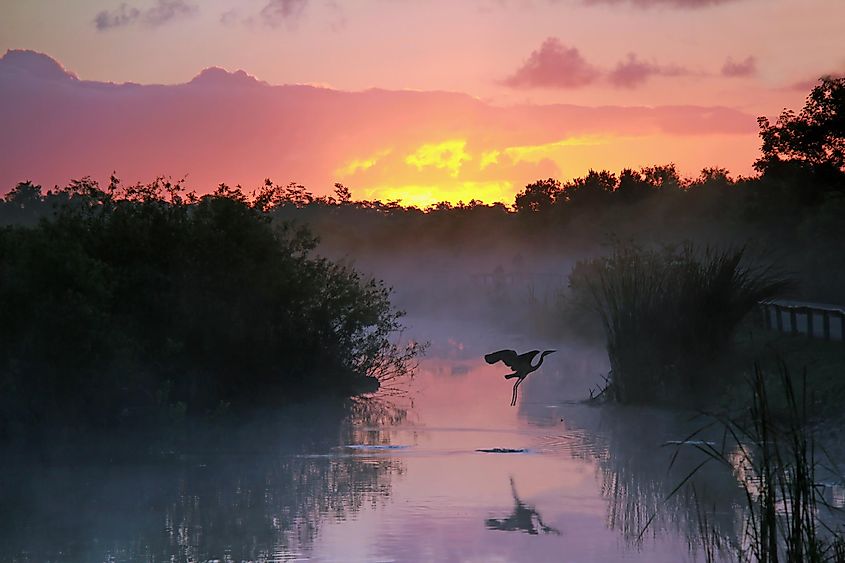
(815, 320)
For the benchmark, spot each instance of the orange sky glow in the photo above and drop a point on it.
(413, 101)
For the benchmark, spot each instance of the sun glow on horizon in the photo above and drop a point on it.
(355, 165)
(424, 196)
(449, 155)
(460, 168)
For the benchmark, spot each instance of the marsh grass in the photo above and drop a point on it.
(776, 461)
(667, 314)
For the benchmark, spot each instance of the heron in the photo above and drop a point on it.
(519, 363)
(522, 519)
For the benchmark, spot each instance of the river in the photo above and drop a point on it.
(397, 477)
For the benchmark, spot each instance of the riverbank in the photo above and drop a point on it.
(821, 361)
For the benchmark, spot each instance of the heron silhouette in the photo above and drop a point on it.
(519, 363)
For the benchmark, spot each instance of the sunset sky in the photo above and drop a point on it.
(419, 100)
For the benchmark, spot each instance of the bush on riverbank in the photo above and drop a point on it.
(126, 300)
(668, 313)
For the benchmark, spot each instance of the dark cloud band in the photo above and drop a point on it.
(667, 3)
(162, 12)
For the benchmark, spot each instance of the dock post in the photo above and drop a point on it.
(826, 324)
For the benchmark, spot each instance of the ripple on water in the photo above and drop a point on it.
(573, 443)
(376, 447)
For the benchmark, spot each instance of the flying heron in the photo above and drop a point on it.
(519, 363)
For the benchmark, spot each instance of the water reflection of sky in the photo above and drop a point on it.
(442, 504)
(286, 486)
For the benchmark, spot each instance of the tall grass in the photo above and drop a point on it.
(668, 313)
(776, 462)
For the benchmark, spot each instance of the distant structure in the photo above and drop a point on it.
(519, 363)
(816, 320)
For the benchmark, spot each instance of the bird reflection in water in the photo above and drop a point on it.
(524, 518)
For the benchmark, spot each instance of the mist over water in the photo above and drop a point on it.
(386, 478)
(437, 467)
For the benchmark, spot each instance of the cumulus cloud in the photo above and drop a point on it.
(747, 67)
(667, 3)
(276, 12)
(162, 12)
(34, 65)
(633, 72)
(553, 65)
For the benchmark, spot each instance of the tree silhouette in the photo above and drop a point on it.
(814, 137)
(539, 196)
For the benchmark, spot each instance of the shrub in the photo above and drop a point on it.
(125, 299)
(668, 313)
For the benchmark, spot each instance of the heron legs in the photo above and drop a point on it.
(515, 386)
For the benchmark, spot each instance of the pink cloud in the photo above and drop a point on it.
(553, 65)
(275, 12)
(634, 72)
(34, 64)
(668, 3)
(747, 67)
(229, 127)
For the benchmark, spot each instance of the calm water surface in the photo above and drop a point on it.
(390, 479)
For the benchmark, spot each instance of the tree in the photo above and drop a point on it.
(539, 196)
(632, 187)
(22, 205)
(664, 178)
(714, 178)
(592, 190)
(813, 138)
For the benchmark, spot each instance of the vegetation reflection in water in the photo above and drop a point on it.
(757, 488)
(235, 492)
(633, 449)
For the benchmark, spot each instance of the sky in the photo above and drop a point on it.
(449, 100)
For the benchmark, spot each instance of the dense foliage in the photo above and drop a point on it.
(814, 137)
(669, 313)
(122, 299)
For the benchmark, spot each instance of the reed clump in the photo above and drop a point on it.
(668, 313)
(775, 458)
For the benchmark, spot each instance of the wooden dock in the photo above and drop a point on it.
(816, 320)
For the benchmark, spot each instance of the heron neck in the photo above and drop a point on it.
(542, 357)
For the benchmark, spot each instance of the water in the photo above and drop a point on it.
(392, 479)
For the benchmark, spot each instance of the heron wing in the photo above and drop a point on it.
(508, 357)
